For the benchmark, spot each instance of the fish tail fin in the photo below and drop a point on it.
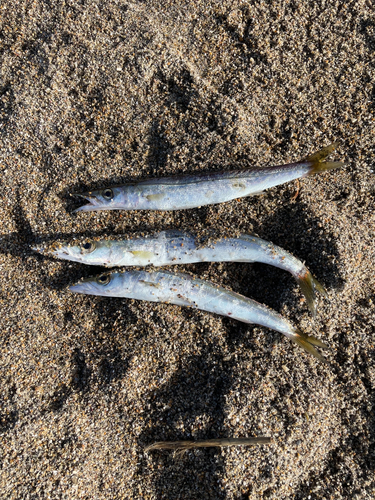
(308, 342)
(317, 163)
(309, 285)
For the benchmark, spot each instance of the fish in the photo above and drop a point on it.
(190, 191)
(178, 247)
(185, 290)
(207, 443)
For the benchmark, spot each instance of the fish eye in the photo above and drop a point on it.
(108, 194)
(103, 279)
(88, 247)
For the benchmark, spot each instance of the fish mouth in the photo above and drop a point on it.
(78, 288)
(92, 200)
(40, 249)
(81, 286)
(54, 249)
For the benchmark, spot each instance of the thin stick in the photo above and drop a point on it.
(207, 443)
(295, 196)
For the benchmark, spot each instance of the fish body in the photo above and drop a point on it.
(189, 191)
(177, 247)
(184, 290)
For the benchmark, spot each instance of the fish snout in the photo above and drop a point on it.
(92, 200)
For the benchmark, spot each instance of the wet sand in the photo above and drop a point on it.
(94, 94)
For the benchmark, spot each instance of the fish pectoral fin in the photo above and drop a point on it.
(142, 254)
(239, 185)
(150, 283)
(185, 301)
(154, 197)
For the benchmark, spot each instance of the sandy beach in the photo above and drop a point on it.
(95, 94)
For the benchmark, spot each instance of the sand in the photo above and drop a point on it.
(99, 93)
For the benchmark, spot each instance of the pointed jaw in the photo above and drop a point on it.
(40, 249)
(78, 288)
(58, 250)
(85, 285)
(92, 205)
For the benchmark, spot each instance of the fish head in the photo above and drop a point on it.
(104, 285)
(109, 198)
(89, 252)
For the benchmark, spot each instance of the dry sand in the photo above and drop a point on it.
(94, 93)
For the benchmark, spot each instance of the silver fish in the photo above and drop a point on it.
(189, 191)
(184, 290)
(177, 247)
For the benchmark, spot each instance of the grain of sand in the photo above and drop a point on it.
(96, 93)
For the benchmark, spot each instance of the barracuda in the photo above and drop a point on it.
(177, 247)
(189, 191)
(184, 290)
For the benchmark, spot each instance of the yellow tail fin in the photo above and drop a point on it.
(317, 165)
(308, 342)
(309, 285)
